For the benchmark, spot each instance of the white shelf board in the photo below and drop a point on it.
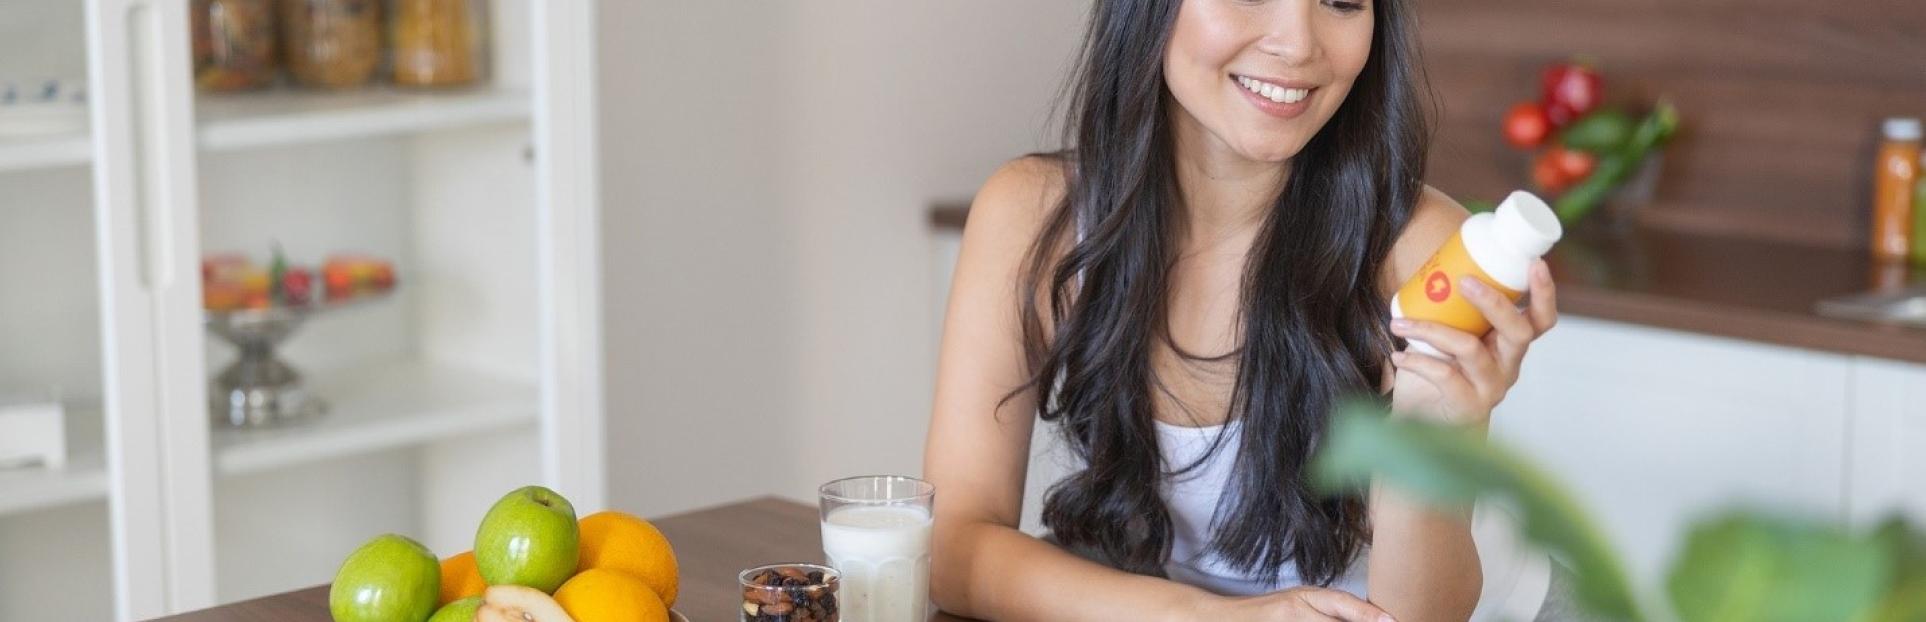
(379, 407)
(84, 479)
(372, 408)
(20, 154)
(292, 116)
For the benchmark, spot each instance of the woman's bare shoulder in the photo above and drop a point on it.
(1436, 218)
(1020, 194)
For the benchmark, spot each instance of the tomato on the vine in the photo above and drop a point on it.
(1526, 125)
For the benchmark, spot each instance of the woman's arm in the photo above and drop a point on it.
(978, 452)
(1423, 564)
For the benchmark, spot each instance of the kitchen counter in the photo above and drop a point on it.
(1721, 286)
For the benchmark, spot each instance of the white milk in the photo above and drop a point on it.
(883, 554)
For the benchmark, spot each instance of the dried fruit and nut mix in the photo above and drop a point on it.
(790, 593)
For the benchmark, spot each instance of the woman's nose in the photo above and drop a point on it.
(1289, 32)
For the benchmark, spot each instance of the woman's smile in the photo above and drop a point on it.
(1284, 99)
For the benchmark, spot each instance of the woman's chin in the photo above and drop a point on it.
(1275, 154)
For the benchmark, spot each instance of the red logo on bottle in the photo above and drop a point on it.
(1437, 287)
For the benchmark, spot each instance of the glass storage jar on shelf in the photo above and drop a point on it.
(332, 43)
(234, 44)
(437, 43)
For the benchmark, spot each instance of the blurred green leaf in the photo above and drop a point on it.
(1906, 602)
(1478, 206)
(1451, 466)
(1747, 566)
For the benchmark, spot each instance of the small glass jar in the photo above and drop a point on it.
(437, 43)
(234, 44)
(332, 44)
(790, 593)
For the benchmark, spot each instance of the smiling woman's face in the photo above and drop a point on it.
(1260, 77)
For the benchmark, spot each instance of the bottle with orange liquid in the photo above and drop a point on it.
(1898, 170)
(1496, 248)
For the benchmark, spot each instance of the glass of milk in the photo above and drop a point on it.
(876, 532)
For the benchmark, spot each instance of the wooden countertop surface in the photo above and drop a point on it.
(1721, 286)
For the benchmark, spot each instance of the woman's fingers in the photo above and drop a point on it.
(1341, 605)
(1544, 298)
(1453, 386)
(1512, 331)
(1469, 352)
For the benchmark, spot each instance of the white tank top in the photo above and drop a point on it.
(1192, 500)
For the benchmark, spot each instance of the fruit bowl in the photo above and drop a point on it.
(259, 389)
(676, 616)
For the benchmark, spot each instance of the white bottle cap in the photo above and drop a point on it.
(1902, 128)
(1524, 223)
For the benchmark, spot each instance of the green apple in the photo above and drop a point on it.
(389, 579)
(459, 610)
(529, 538)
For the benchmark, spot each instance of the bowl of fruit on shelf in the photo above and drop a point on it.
(1588, 153)
(257, 307)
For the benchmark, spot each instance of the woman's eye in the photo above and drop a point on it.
(1345, 7)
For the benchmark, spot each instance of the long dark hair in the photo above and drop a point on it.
(1312, 315)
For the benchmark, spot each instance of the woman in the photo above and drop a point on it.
(1186, 290)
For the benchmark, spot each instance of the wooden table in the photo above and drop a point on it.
(712, 545)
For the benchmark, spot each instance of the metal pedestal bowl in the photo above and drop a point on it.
(260, 389)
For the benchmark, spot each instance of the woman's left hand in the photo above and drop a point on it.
(1481, 370)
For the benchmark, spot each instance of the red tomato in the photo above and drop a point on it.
(1547, 174)
(1574, 163)
(297, 284)
(1569, 91)
(1526, 126)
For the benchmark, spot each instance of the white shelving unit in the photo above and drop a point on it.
(25, 154)
(84, 479)
(376, 408)
(383, 407)
(248, 120)
(484, 197)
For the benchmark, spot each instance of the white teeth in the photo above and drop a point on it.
(1273, 92)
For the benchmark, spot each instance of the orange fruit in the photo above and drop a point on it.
(602, 595)
(460, 579)
(623, 543)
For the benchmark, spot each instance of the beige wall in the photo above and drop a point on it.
(767, 170)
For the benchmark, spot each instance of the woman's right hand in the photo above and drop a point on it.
(1292, 605)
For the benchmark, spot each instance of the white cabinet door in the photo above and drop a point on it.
(1888, 456)
(153, 393)
(1653, 428)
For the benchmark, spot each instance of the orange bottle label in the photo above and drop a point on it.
(1432, 293)
(1892, 219)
